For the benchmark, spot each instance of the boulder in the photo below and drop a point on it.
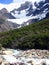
(31, 62)
(8, 52)
(43, 63)
(1, 60)
(5, 63)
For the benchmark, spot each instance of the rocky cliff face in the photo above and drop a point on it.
(4, 14)
(7, 25)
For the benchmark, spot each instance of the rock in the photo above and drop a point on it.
(1, 52)
(31, 62)
(3, 49)
(5, 63)
(43, 63)
(30, 57)
(22, 64)
(7, 52)
(1, 60)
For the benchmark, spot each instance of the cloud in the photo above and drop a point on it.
(12, 6)
(9, 7)
(15, 4)
(22, 1)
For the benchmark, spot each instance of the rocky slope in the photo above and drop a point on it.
(7, 25)
(5, 14)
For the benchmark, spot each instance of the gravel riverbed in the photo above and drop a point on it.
(27, 57)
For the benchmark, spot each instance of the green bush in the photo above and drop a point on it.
(35, 36)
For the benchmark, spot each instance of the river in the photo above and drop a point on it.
(18, 56)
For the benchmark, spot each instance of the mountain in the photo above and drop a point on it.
(32, 11)
(35, 35)
(7, 25)
(5, 14)
(26, 14)
(22, 10)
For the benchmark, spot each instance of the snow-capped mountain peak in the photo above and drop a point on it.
(29, 10)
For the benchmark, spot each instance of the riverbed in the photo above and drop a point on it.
(24, 57)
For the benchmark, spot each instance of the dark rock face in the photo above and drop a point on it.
(41, 7)
(30, 10)
(24, 6)
(9, 16)
(40, 4)
(47, 15)
(46, 1)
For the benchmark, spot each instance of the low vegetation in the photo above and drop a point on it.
(34, 36)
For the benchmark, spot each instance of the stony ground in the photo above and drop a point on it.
(27, 57)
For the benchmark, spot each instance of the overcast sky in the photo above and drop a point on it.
(11, 4)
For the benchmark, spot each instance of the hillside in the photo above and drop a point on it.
(35, 36)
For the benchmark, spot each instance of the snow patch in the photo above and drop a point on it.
(21, 20)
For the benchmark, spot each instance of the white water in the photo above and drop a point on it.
(13, 59)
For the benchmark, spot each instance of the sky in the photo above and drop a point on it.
(12, 4)
(6, 1)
